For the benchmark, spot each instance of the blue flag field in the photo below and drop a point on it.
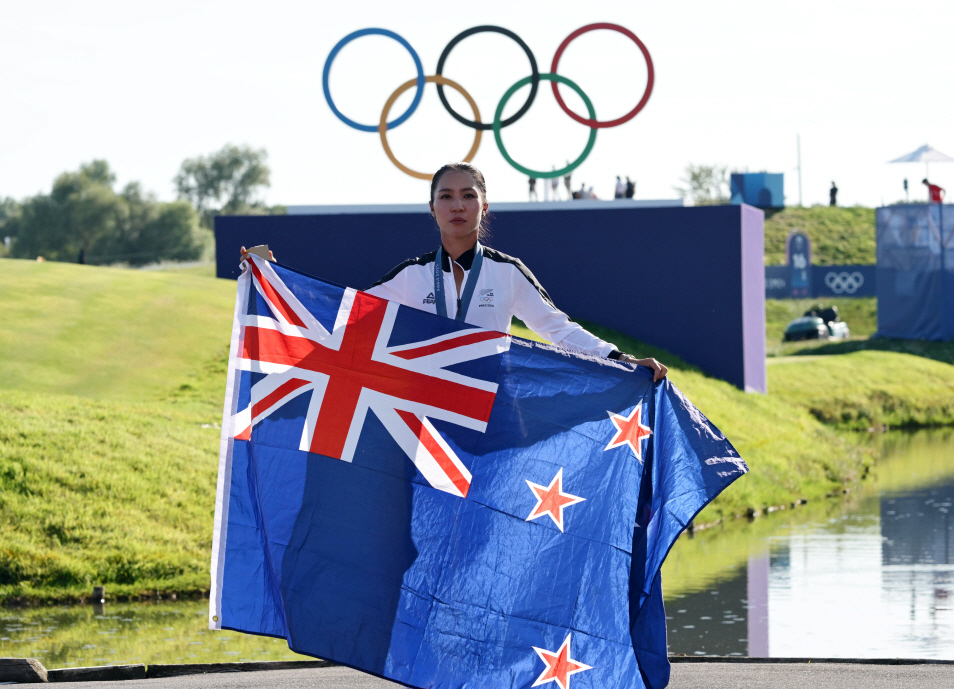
(447, 506)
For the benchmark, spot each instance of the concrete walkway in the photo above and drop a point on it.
(684, 676)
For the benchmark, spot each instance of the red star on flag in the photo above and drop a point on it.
(629, 431)
(551, 500)
(559, 666)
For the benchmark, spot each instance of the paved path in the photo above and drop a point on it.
(684, 676)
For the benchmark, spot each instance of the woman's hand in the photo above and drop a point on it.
(659, 371)
(244, 254)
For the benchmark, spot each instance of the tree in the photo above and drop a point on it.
(9, 212)
(84, 220)
(224, 183)
(77, 218)
(705, 185)
(151, 231)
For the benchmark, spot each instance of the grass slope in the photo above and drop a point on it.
(115, 482)
(109, 333)
(869, 388)
(838, 235)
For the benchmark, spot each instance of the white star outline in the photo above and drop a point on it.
(542, 653)
(637, 410)
(558, 479)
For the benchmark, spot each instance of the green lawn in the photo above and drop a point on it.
(105, 332)
(838, 235)
(112, 390)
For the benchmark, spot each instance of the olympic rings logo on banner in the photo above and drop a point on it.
(844, 283)
(497, 124)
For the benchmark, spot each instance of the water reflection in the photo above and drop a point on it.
(868, 576)
(121, 633)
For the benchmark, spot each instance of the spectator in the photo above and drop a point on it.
(620, 188)
(833, 195)
(555, 186)
(935, 193)
(630, 188)
(567, 183)
(533, 188)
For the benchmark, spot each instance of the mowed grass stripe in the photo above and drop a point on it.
(107, 333)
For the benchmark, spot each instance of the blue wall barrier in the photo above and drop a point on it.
(689, 280)
(826, 281)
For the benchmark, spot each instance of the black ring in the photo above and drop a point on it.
(534, 80)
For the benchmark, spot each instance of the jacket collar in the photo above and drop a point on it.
(465, 260)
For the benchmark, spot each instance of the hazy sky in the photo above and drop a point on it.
(146, 84)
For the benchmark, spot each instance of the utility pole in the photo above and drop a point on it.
(798, 144)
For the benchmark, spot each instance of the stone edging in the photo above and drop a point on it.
(30, 670)
(808, 661)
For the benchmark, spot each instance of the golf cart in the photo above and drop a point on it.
(818, 323)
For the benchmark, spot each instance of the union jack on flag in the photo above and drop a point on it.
(443, 505)
(353, 366)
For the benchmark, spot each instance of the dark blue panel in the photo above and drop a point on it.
(671, 277)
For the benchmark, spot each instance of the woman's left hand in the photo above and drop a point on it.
(659, 371)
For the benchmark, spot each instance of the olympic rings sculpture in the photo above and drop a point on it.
(498, 124)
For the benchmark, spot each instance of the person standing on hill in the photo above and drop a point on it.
(630, 188)
(567, 181)
(533, 188)
(935, 193)
(833, 195)
(620, 188)
(555, 186)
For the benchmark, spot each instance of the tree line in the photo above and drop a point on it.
(84, 219)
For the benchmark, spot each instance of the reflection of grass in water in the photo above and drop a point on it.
(715, 554)
(129, 633)
(909, 461)
(914, 460)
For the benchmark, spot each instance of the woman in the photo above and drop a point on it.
(479, 285)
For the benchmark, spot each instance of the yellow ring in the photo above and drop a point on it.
(383, 124)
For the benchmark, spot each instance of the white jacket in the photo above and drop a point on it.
(505, 288)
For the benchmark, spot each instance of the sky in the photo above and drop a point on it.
(147, 85)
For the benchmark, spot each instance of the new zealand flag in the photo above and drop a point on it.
(447, 506)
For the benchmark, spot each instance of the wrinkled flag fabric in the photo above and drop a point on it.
(447, 506)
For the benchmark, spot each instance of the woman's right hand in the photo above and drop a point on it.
(658, 369)
(244, 254)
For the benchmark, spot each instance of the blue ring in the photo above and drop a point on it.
(369, 32)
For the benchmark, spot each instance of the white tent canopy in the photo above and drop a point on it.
(925, 154)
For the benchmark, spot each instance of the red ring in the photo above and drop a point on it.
(596, 124)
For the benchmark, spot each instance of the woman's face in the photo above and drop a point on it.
(457, 204)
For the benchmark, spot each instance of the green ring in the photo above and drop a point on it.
(536, 173)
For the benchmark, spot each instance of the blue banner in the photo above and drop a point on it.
(446, 506)
(826, 281)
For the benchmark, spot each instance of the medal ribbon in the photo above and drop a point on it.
(464, 302)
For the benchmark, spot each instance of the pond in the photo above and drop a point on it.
(866, 575)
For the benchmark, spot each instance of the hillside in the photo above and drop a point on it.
(108, 456)
(107, 333)
(838, 235)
